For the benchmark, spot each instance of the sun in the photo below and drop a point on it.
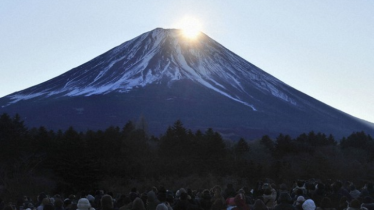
(191, 27)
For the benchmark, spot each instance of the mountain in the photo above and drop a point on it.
(161, 76)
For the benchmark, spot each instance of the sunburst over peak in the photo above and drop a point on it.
(191, 27)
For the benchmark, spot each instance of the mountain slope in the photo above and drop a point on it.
(163, 76)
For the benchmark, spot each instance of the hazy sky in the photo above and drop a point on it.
(323, 48)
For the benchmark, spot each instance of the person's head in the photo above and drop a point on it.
(106, 202)
(206, 194)
(300, 200)
(217, 190)
(266, 186)
(138, 204)
(83, 204)
(67, 202)
(90, 198)
(179, 192)
(309, 205)
(161, 207)
(151, 196)
(25, 198)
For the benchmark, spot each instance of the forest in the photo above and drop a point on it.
(33, 160)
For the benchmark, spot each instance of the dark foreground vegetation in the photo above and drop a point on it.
(36, 159)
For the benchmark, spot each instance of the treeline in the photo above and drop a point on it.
(38, 159)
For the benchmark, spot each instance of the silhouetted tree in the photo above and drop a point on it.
(284, 145)
(72, 164)
(268, 143)
(356, 140)
(241, 147)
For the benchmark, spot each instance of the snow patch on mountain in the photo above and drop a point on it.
(18, 97)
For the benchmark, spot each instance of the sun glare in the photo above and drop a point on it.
(191, 27)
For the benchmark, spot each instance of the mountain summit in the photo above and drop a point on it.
(163, 76)
(162, 57)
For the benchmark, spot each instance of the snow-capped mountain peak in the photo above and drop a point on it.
(164, 76)
(158, 57)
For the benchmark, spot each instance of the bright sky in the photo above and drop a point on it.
(322, 48)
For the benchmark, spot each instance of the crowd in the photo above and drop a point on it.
(303, 195)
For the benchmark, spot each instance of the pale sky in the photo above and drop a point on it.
(322, 48)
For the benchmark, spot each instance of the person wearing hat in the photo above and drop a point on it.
(299, 203)
(138, 204)
(309, 205)
(164, 205)
(152, 200)
(269, 195)
(84, 204)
